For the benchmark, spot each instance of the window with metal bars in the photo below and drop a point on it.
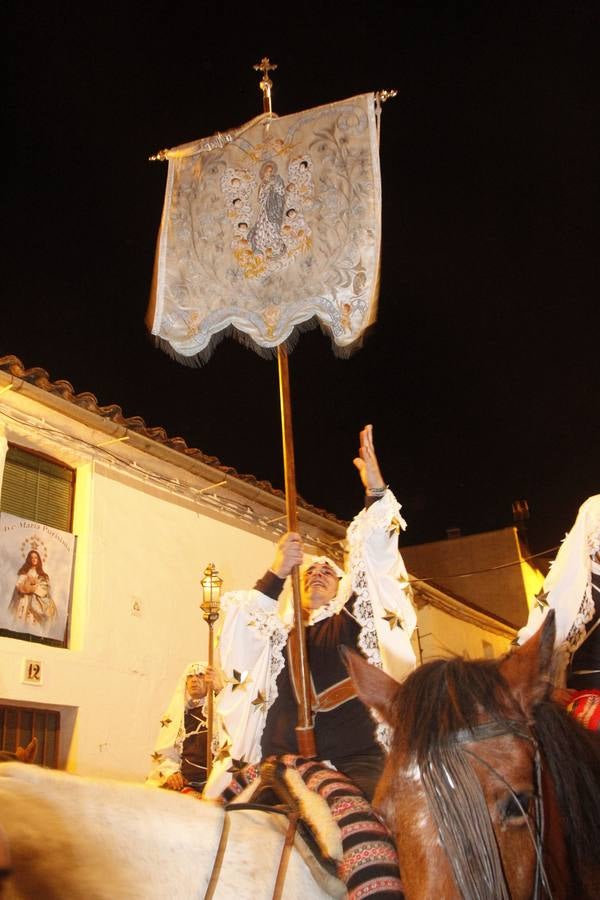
(37, 488)
(20, 724)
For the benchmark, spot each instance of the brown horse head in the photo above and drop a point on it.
(480, 762)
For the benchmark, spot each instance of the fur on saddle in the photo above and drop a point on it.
(280, 775)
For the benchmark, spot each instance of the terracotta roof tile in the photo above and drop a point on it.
(86, 400)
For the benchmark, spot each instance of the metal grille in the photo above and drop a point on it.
(19, 724)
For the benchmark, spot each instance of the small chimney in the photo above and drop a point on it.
(520, 510)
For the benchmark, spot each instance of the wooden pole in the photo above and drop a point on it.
(305, 735)
(209, 701)
(304, 730)
(210, 606)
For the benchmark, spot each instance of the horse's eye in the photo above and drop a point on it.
(515, 807)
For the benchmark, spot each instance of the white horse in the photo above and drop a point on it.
(76, 838)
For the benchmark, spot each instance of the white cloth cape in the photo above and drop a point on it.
(166, 758)
(569, 587)
(255, 630)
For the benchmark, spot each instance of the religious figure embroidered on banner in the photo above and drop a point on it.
(269, 226)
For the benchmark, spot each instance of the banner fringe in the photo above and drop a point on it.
(200, 359)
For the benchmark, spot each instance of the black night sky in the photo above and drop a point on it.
(482, 374)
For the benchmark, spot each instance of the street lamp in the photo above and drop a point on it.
(210, 606)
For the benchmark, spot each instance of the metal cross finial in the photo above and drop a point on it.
(384, 95)
(265, 66)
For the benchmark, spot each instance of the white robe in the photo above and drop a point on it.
(255, 630)
(568, 587)
(168, 749)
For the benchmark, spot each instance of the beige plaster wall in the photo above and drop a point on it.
(442, 634)
(136, 621)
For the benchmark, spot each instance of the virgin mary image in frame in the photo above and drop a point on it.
(36, 564)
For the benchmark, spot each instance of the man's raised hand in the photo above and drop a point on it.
(366, 462)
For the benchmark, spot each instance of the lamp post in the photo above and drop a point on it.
(210, 606)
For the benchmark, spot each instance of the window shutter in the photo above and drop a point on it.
(38, 489)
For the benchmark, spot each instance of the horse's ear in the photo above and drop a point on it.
(527, 669)
(374, 687)
(27, 754)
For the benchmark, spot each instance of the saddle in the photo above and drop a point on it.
(306, 820)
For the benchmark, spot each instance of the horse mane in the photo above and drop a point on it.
(444, 696)
(572, 754)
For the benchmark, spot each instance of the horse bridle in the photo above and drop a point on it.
(499, 728)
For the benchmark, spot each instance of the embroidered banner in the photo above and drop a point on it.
(268, 226)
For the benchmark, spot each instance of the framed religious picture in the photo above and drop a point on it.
(36, 580)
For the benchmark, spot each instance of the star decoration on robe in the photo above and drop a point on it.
(394, 620)
(237, 765)
(164, 722)
(394, 526)
(223, 751)
(240, 679)
(541, 601)
(156, 756)
(260, 702)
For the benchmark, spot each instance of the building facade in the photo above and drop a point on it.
(143, 515)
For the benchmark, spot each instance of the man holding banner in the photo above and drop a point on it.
(368, 608)
(267, 227)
